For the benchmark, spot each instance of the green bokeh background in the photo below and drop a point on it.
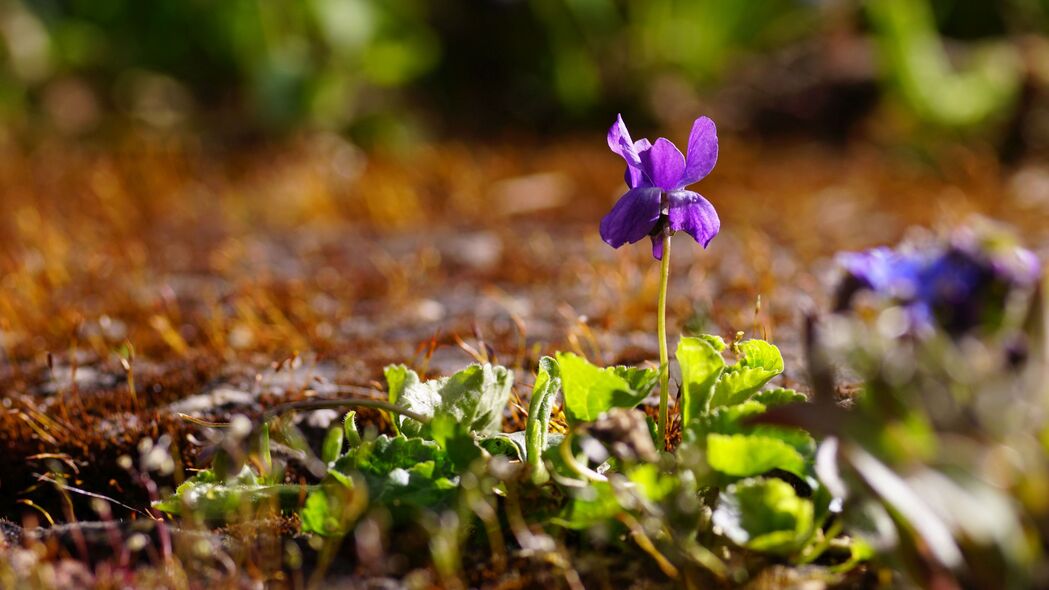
(383, 69)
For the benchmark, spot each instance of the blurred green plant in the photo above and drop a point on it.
(917, 65)
(257, 65)
(939, 461)
(274, 64)
(603, 50)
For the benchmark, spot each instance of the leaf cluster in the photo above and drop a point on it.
(732, 484)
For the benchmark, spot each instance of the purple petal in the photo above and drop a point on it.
(694, 215)
(634, 176)
(663, 164)
(702, 151)
(619, 142)
(632, 217)
(884, 270)
(657, 246)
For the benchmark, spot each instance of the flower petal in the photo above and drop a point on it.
(885, 271)
(663, 164)
(634, 176)
(619, 142)
(694, 215)
(657, 246)
(702, 151)
(632, 217)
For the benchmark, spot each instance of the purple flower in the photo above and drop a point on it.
(883, 270)
(959, 285)
(657, 174)
(969, 284)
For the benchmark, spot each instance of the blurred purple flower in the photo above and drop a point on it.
(958, 286)
(657, 174)
(969, 284)
(883, 270)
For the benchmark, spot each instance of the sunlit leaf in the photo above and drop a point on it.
(544, 394)
(598, 503)
(758, 354)
(456, 441)
(728, 419)
(349, 427)
(779, 397)
(212, 498)
(332, 508)
(590, 391)
(332, 446)
(765, 515)
(744, 455)
(590, 506)
(701, 366)
(475, 397)
(398, 378)
(797, 438)
(759, 362)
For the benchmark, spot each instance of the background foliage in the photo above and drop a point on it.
(380, 67)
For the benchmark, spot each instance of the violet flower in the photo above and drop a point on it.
(968, 286)
(957, 286)
(887, 272)
(657, 174)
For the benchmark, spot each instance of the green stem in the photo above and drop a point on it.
(332, 404)
(661, 327)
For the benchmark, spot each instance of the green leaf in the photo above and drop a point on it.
(743, 455)
(318, 514)
(779, 397)
(349, 427)
(701, 366)
(544, 393)
(212, 498)
(758, 354)
(456, 440)
(653, 484)
(859, 552)
(417, 488)
(728, 419)
(765, 515)
(641, 380)
(590, 390)
(407, 472)
(715, 341)
(332, 446)
(515, 445)
(510, 444)
(597, 503)
(798, 438)
(398, 378)
(590, 506)
(269, 473)
(475, 397)
(385, 454)
(759, 362)
(332, 508)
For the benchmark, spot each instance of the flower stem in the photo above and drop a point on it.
(661, 328)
